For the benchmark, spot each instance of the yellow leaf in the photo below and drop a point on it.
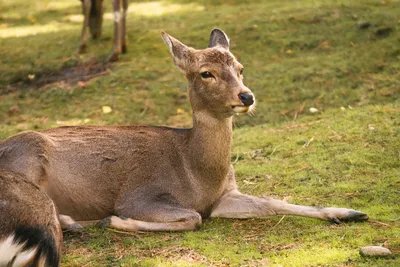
(289, 52)
(31, 18)
(107, 109)
(180, 111)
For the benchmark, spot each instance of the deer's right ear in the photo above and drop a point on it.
(218, 38)
(181, 53)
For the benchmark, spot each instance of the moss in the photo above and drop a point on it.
(341, 57)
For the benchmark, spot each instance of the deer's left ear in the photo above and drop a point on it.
(219, 38)
(182, 54)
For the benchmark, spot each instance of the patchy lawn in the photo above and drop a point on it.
(339, 57)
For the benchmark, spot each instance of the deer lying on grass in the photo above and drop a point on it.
(93, 18)
(156, 178)
(30, 234)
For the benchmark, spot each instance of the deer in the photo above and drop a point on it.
(147, 178)
(93, 18)
(30, 232)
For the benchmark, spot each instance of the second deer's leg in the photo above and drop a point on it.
(237, 205)
(86, 5)
(117, 30)
(124, 37)
(96, 18)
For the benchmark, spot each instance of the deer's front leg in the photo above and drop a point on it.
(117, 30)
(86, 5)
(237, 205)
(124, 35)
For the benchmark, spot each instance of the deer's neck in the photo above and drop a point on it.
(209, 144)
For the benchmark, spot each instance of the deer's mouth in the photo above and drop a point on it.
(241, 109)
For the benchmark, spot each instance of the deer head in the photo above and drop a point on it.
(215, 76)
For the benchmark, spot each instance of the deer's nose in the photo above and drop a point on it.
(246, 98)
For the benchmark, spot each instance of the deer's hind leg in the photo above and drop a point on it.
(86, 6)
(116, 4)
(124, 35)
(158, 213)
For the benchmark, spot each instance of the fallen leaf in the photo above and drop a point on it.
(323, 45)
(82, 84)
(106, 109)
(31, 18)
(13, 110)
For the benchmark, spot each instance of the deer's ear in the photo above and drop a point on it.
(182, 54)
(218, 38)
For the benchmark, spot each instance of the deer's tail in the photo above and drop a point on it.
(29, 245)
(96, 18)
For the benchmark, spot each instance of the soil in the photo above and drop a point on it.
(67, 77)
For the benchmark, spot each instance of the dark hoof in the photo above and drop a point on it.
(335, 220)
(355, 216)
(82, 49)
(74, 228)
(104, 223)
(351, 216)
(124, 49)
(96, 35)
(113, 57)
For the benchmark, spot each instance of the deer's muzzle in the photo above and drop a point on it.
(246, 98)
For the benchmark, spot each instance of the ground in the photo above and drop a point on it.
(337, 58)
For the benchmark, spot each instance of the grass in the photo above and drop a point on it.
(341, 57)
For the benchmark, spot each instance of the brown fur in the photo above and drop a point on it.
(159, 178)
(92, 11)
(23, 204)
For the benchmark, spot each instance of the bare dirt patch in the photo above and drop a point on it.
(67, 77)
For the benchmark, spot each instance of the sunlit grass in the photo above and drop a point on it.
(160, 8)
(314, 256)
(21, 8)
(64, 4)
(347, 163)
(147, 9)
(22, 31)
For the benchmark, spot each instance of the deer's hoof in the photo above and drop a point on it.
(74, 228)
(355, 216)
(113, 57)
(82, 49)
(96, 35)
(124, 49)
(104, 223)
(351, 216)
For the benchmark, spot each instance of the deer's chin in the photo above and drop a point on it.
(241, 109)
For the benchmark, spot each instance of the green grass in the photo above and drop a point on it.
(297, 55)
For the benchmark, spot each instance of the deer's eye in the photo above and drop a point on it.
(241, 71)
(206, 75)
